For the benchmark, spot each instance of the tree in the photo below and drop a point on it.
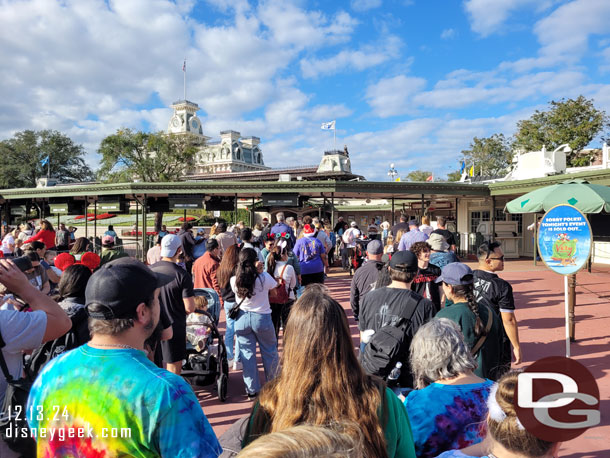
(24, 156)
(454, 176)
(418, 175)
(489, 155)
(575, 122)
(150, 157)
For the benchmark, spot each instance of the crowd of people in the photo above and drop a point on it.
(106, 338)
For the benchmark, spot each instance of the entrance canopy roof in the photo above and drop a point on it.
(328, 189)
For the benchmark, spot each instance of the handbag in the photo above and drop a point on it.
(279, 294)
(234, 311)
(14, 428)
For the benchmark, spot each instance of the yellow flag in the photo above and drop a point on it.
(471, 171)
(398, 179)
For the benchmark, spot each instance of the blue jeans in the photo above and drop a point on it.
(251, 328)
(230, 340)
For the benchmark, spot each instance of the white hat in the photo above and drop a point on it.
(169, 245)
(353, 224)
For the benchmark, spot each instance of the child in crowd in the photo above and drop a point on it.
(197, 324)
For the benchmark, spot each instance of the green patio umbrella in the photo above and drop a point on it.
(587, 197)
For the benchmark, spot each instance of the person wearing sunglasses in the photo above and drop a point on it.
(498, 294)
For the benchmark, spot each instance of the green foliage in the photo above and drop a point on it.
(418, 175)
(490, 155)
(454, 176)
(22, 156)
(575, 122)
(151, 157)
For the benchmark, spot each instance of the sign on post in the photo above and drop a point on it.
(564, 244)
(564, 239)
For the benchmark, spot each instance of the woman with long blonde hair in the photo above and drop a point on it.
(321, 382)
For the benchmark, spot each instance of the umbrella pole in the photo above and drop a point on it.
(565, 284)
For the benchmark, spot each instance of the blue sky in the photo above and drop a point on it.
(409, 82)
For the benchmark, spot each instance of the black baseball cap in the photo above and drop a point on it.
(120, 286)
(404, 260)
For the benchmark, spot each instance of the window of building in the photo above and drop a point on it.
(519, 218)
(477, 217)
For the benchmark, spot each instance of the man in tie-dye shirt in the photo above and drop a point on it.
(106, 399)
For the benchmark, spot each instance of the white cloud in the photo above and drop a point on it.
(365, 5)
(361, 59)
(393, 96)
(448, 34)
(564, 34)
(488, 16)
(493, 89)
(292, 26)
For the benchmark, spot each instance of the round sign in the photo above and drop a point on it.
(564, 239)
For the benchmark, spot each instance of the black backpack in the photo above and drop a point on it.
(387, 346)
(75, 337)
(14, 429)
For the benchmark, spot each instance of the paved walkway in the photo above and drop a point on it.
(540, 312)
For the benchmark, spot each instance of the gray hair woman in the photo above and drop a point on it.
(449, 404)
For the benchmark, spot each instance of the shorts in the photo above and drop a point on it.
(174, 350)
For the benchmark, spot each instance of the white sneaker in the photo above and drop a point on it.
(237, 365)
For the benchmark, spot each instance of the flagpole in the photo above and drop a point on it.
(48, 166)
(184, 71)
(335, 133)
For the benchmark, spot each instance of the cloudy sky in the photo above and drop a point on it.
(408, 81)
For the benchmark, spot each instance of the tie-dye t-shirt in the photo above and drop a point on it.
(446, 417)
(97, 390)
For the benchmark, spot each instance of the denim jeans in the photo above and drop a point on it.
(230, 340)
(251, 328)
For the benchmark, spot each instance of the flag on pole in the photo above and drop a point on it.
(463, 167)
(471, 171)
(184, 66)
(45, 161)
(430, 178)
(328, 125)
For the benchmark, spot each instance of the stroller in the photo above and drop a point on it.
(207, 363)
(359, 255)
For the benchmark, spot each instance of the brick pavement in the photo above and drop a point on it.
(539, 299)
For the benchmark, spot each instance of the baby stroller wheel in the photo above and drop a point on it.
(222, 384)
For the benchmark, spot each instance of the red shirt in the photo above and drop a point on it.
(204, 272)
(45, 236)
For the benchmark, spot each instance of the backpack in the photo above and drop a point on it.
(279, 294)
(13, 421)
(387, 346)
(75, 337)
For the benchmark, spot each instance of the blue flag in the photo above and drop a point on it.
(463, 167)
(45, 161)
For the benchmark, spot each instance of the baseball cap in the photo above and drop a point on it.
(412, 222)
(120, 286)
(404, 260)
(456, 273)
(169, 245)
(353, 224)
(107, 240)
(374, 247)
